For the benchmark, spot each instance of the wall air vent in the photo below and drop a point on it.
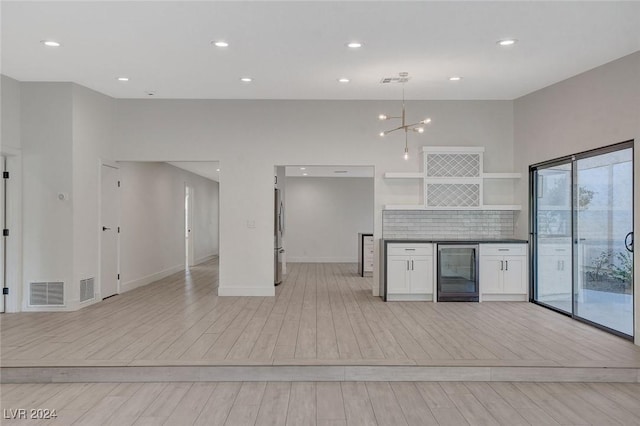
(46, 294)
(401, 79)
(87, 291)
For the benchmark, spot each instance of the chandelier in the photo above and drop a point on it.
(413, 127)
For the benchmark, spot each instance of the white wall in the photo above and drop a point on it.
(10, 147)
(324, 216)
(92, 142)
(10, 123)
(296, 132)
(152, 221)
(46, 134)
(597, 108)
(65, 130)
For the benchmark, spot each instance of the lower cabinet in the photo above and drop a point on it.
(409, 272)
(503, 272)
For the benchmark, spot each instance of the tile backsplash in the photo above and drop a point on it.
(447, 224)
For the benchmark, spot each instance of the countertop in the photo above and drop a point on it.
(470, 241)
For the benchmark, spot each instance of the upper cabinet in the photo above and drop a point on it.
(454, 179)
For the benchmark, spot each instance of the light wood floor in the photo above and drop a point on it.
(323, 314)
(323, 403)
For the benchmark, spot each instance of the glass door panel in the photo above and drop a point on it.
(552, 230)
(603, 219)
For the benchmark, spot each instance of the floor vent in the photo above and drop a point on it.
(87, 291)
(46, 294)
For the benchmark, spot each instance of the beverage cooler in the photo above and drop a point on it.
(457, 279)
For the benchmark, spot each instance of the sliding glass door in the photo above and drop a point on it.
(582, 235)
(604, 218)
(553, 210)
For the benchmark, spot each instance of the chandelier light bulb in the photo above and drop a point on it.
(420, 129)
(426, 121)
(382, 117)
(381, 133)
(406, 153)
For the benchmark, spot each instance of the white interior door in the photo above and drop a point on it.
(109, 208)
(188, 227)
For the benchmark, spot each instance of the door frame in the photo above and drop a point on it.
(14, 300)
(573, 159)
(115, 165)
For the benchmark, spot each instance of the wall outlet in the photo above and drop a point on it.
(251, 224)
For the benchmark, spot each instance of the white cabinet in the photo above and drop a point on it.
(409, 272)
(503, 272)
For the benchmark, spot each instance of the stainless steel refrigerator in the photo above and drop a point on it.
(277, 237)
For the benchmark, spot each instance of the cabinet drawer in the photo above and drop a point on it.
(555, 250)
(410, 249)
(506, 250)
(367, 241)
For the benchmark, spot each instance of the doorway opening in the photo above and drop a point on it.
(328, 216)
(582, 236)
(170, 222)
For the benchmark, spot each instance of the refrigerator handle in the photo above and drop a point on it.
(281, 217)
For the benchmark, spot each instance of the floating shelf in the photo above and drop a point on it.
(404, 175)
(453, 179)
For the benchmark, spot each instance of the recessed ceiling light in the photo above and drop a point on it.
(354, 45)
(220, 43)
(507, 42)
(303, 168)
(50, 43)
(217, 170)
(455, 78)
(123, 78)
(246, 79)
(304, 174)
(343, 80)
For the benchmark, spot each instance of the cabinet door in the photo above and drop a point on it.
(398, 274)
(491, 271)
(515, 274)
(421, 281)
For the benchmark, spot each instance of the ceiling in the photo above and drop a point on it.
(297, 50)
(329, 171)
(206, 169)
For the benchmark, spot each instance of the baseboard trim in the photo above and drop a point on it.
(205, 258)
(246, 291)
(130, 285)
(322, 260)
